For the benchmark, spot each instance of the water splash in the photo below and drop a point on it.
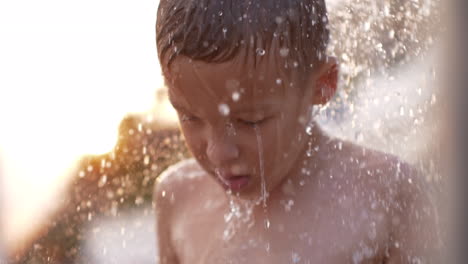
(238, 217)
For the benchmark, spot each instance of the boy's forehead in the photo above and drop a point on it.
(230, 80)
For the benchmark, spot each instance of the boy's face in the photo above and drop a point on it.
(240, 124)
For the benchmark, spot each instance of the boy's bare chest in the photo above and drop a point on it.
(321, 237)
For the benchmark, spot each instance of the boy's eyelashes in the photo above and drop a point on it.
(243, 121)
(251, 122)
(187, 118)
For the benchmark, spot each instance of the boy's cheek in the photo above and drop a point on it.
(192, 140)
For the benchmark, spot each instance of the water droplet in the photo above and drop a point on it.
(433, 99)
(224, 109)
(288, 205)
(358, 136)
(345, 57)
(231, 130)
(279, 81)
(279, 20)
(235, 96)
(220, 13)
(224, 31)
(102, 181)
(366, 26)
(308, 130)
(295, 257)
(284, 52)
(267, 223)
(260, 52)
(146, 160)
(139, 200)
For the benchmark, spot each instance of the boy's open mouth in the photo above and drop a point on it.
(233, 182)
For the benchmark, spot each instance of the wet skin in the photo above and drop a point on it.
(328, 201)
(264, 125)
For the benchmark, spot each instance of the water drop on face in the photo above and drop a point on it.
(224, 32)
(278, 81)
(284, 52)
(308, 130)
(260, 52)
(224, 109)
(231, 130)
(278, 20)
(235, 96)
(267, 224)
(267, 247)
(220, 13)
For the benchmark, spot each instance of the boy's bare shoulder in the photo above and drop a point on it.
(184, 169)
(388, 184)
(377, 163)
(382, 172)
(181, 181)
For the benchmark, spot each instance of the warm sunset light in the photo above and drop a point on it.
(70, 73)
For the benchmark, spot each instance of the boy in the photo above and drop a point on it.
(266, 184)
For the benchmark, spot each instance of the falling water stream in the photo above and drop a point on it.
(240, 214)
(264, 193)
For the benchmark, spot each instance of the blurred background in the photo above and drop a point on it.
(86, 126)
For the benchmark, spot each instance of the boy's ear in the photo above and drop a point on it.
(326, 82)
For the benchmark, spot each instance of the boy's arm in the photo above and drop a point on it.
(166, 253)
(415, 236)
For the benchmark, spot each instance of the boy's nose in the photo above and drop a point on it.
(221, 150)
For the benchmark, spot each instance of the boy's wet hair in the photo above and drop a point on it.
(217, 30)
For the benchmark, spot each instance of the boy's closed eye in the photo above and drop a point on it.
(252, 121)
(184, 117)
